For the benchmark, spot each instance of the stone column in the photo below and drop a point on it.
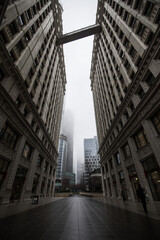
(2, 121)
(139, 168)
(117, 180)
(46, 183)
(30, 175)
(126, 176)
(40, 178)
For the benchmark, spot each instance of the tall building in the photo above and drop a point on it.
(68, 130)
(61, 161)
(32, 86)
(62, 158)
(91, 159)
(125, 81)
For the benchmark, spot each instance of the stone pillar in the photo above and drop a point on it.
(117, 180)
(126, 176)
(40, 178)
(46, 183)
(30, 175)
(13, 169)
(139, 168)
(153, 138)
(2, 121)
(103, 181)
(111, 182)
(51, 178)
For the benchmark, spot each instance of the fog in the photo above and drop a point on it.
(78, 14)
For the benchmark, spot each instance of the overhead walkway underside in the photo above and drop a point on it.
(78, 34)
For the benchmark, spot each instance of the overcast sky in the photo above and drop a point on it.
(78, 14)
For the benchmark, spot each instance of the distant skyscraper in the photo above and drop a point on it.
(68, 130)
(80, 172)
(91, 158)
(62, 158)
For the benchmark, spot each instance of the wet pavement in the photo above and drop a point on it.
(79, 218)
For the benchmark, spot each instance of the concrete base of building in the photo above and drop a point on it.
(65, 194)
(91, 194)
(15, 208)
(134, 206)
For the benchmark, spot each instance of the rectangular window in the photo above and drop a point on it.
(39, 161)
(20, 46)
(126, 151)
(156, 121)
(1, 74)
(9, 136)
(27, 151)
(150, 79)
(18, 102)
(117, 157)
(13, 27)
(141, 93)
(141, 138)
(140, 29)
(35, 183)
(3, 170)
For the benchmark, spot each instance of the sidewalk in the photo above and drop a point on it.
(15, 208)
(135, 207)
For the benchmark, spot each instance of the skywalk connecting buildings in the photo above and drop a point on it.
(125, 81)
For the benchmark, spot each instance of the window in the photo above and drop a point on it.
(3, 170)
(117, 157)
(140, 29)
(21, 20)
(39, 161)
(126, 115)
(126, 151)
(27, 37)
(27, 151)
(13, 27)
(141, 93)
(156, 121)
(132, 22)
(9, 136)
(31, 73)
(20, 46)
(150, 79)
(25, 112)
(137, 4)
(110, 164)
(35, 183)
(18, 102)
(45, 166)
(1, 74)
(43, 185)
(141, 138)
(50, 171)
(131, 106)
(148, 8)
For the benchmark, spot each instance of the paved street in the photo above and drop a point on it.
(79, 218)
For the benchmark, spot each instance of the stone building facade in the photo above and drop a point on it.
(32, 87)
(125, 81)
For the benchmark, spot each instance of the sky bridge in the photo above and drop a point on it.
(78, 34)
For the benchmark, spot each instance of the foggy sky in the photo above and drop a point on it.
(78, 14)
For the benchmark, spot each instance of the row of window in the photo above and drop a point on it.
(140, 139)
(149, 80)
(10, 137)
(146, 9)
